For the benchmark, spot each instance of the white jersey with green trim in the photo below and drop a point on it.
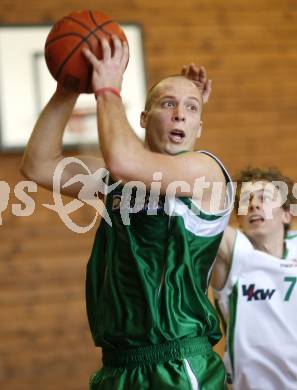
(259, 305)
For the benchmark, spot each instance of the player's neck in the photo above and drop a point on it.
(273, 245)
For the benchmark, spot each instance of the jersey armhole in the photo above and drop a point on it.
(229, 198)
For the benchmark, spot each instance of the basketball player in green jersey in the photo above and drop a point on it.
(255, 285)
(147, 276)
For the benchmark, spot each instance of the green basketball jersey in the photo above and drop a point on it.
(147, 280)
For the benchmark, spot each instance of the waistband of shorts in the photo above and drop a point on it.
(157, 353)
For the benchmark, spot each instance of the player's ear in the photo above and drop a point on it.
(287, 217)
(143, 117)
(199, 130)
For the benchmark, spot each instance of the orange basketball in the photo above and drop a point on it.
(64, 43)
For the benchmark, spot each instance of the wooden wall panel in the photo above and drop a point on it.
(249, 49)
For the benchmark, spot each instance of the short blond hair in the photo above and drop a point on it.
(151, 92)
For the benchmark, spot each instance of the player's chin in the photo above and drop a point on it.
(173, 149)
(254, 231)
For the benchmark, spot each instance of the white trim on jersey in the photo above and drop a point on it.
(202, 226)
(199, 226)
(230, 194)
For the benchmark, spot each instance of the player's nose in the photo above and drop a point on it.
(255, 203)
(178, 113)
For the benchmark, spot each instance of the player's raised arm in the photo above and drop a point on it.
(172, 120)
(44, 149)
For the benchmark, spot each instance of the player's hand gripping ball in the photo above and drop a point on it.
(64, 43)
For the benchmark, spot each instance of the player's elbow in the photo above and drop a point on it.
(25, 173)
(33, 170)
(115, 169)
(28, 168)
(118, 167)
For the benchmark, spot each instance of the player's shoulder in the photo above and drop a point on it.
(201, 165)
(235, 241)
(242, 243)
(291, 245)
(215, 165)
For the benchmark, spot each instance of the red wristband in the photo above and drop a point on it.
(101, 91)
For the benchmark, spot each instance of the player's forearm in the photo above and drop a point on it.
(120, 147)
(45, 144)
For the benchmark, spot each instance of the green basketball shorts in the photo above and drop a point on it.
(187, 364)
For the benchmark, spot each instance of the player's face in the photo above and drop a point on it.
(173, 121)
(264, 215)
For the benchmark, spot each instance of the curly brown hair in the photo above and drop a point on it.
(251, 174)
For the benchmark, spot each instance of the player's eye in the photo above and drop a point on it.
(266, 198)
(168, 104)
(245, 198)
(193, 107)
